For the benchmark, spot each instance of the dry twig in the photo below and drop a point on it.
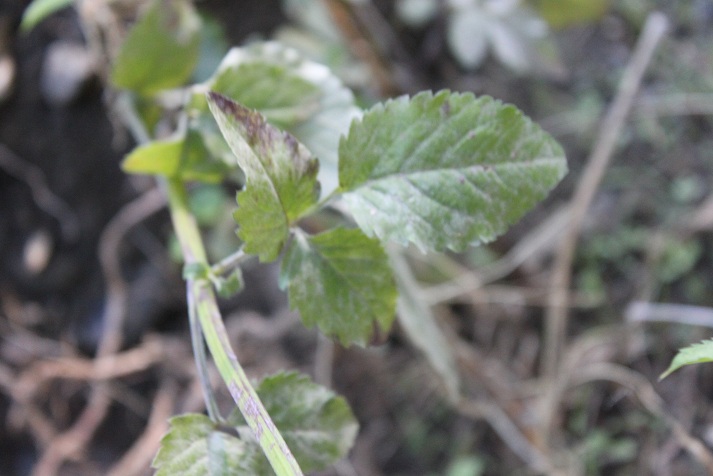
(100, 369)
(537, 242)
(611, 126)
(138, 458)
(650, 400)
(361, 44)
(73, 440)
(45, 199)
(497, 381)
(678, 104)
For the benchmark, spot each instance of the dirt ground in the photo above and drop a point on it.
(78, 236)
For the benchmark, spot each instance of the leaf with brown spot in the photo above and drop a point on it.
(281, 176)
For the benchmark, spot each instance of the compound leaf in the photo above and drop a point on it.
(161, 49)
(318, 426)
(195, 446)
(445, 170)
(693, 354)
(340, 280)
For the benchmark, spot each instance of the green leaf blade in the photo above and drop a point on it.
(155, 158)
(281, 176)
(445, 171)
(340, 280)
(262, 225)
(273, 89)
(301, 96)
(194, 446)
(161, 49)
(183, 157)
(693, 354)
(38, 10)
(318, 426)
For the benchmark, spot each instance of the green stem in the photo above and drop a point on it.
(215, 334)
(229, 263)
(203, 305)
(199, 355)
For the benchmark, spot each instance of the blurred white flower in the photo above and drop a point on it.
(507, 28)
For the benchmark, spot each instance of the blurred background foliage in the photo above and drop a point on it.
(646, 238)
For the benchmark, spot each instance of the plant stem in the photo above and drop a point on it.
(206, 307)
(229, 263)
(200, 356)
(203, 305)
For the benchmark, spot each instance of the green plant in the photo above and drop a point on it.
(442, 171)
(693, 354)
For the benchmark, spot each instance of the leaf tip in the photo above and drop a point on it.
(223, 103)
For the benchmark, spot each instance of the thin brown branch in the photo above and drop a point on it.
(503, 388)
(137, 459)
(501, 423)
(75, 439)
(43, 196)
(538, 242)
(324, 361)
(24, 411)
(361, 45)
(651, 400)
(610, 129)
(676, 104)
(100, 369)
(514, 295)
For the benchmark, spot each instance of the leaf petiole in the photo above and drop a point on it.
(229, 263)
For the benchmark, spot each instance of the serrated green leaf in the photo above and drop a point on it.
(183, 157)
(230, 456)
(693, 354)
(161, 49)
(303, 97)
(194, 446)
(201, 122)
(262, 225)
(445, 171)
(278, 93)
(340, 280)
(318, 426)
(281, 176)
(38, 10)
